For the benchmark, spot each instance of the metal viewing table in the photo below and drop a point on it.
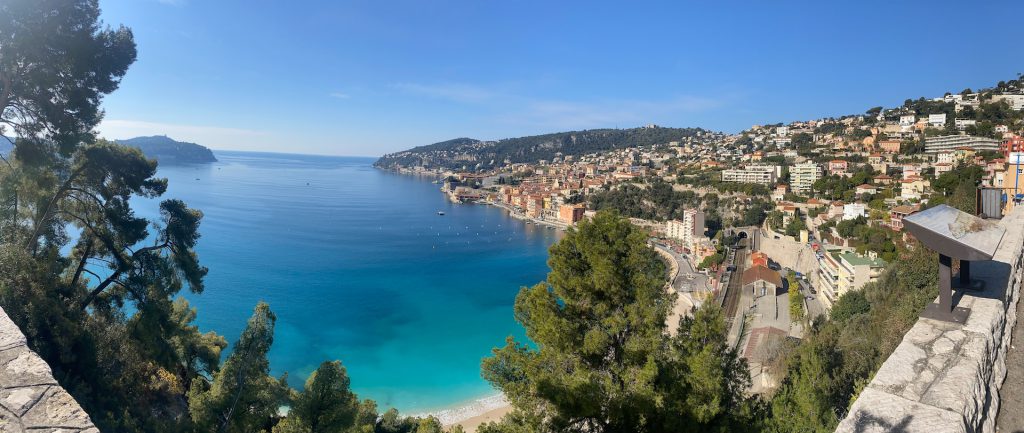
(954, 235)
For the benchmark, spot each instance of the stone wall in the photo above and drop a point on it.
(945, 377)
(30, 399)
(788, 252)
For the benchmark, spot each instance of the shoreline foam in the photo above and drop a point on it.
(468, 411)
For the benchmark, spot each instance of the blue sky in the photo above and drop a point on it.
(368, 77)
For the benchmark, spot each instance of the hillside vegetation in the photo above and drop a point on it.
(471, 154)
(169, 151)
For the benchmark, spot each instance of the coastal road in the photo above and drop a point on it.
(814, 308)
(687, 279)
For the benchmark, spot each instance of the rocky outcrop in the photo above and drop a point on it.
(30, 399)
(945, 377)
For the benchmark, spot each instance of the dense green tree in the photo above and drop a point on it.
(602, 360)
(849, 305)
(196, 353)
(837, 357)
(655, 199)
(796, 301)
(113, 361)
(754, 213)
(710, 375)
(56, 64)
(325, 405)
(242, 397)
(796, 224)
(965, 198)
(712, 260)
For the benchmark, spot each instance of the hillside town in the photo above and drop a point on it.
(792, 215)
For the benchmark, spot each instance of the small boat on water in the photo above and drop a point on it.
(440, 212)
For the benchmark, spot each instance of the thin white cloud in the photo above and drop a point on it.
(458, 92)
(172, 2)
(339, 95)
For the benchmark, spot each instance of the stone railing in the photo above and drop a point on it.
(945, 377)
(30, 399)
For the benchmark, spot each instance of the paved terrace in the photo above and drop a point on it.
(30, 399)
(945, 377)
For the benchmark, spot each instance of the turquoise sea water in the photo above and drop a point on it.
(358, 266)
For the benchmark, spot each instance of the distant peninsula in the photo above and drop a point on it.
(472, 154)
(169, 151)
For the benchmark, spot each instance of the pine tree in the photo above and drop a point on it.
(242, 398)
(602, 360)
(325, 405)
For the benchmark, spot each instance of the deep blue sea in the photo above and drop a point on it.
(359, 267)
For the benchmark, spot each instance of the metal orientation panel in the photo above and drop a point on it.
(956, 234)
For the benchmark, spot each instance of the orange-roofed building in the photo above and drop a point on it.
(762, 281)
(759, 259)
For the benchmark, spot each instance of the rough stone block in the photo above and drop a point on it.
(57, 409)
(876, 412)
(19, 366)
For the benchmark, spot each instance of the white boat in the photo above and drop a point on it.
(440, 212)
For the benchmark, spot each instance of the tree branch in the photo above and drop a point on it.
(117, 274)
(38, 223)
(81, 265)
(5, 94)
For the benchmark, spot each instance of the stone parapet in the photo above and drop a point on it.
(945, 377)
(30, 398)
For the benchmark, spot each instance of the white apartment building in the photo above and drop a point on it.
(802, 176)
(841, 272)
(761, 174)
(962, 124)
(856, 270)
(1016, 101)
(782, 131)
(937, 120)
(828, 278)
(693, 225)
(674, 229)
(688, 230)
(853, 211)
(948, 143)
(908, 120)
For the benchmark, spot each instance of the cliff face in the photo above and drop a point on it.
(169, 151)
(30, 398)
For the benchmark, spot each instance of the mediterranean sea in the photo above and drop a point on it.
(359, 267)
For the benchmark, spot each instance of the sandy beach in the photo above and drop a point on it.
(471, 415)
(470, 424)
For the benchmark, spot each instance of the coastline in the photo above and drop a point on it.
(520, 216)
(472, 415)
(511, 211)
(491, 408)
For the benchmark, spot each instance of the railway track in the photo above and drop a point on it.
(735, 287)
